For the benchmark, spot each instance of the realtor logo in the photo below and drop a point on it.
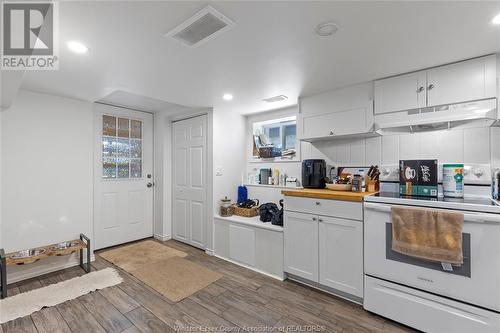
(29, 36)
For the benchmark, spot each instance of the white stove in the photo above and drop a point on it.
(428, 295)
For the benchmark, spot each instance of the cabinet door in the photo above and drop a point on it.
(399, 93)
(344, 122)
(461, 82)
(301, 245)
(341, 254)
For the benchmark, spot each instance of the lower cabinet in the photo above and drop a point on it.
(325, 250)
(301, 245)
(250, 243)
(341, 254)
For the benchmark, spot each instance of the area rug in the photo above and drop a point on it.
(134, 256)
(162, 268)
(24, 304)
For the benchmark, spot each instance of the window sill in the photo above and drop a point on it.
(275, 186)
(274, 159)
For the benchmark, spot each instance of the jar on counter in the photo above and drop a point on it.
(225, 207)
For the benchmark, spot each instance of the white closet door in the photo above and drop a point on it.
(190, 213)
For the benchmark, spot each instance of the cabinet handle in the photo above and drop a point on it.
(331, 133)
(420, 89)
(430, 87)
(318, 203)
(314, 219)
(320, 220)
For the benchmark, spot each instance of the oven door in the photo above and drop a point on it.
(476, 282)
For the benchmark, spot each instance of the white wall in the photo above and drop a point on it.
(228, 154)
(47, 168)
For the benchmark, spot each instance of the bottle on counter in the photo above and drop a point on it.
(495, 184)
(225, 207)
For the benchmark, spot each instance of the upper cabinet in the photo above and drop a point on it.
(338, 113)
(402, 92)
(460, 82)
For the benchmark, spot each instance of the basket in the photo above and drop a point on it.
(246, 212)
(269, 152)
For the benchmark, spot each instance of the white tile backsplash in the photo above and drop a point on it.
(477, 145)
(373, 151)
(451, 146)
(409, 146)
(471, 145)
(495, 146)
(357, 152)
(390, 149)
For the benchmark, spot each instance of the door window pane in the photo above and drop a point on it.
(123, 167)
(109, 125)
(135, 168)
(135, 148)
(121, 148)
(136, 129)
(109, 167)
(123, 128)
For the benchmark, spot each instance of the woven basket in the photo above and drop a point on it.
(246, 212)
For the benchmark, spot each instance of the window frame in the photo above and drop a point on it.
(116, 138)
(274, 118)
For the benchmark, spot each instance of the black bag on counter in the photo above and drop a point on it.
(278, 217)
(269, 212)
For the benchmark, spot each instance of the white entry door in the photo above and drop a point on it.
(190, 181)
(123, 186)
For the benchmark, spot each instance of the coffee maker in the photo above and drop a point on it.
(314, 173)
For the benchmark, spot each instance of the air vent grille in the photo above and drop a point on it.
(204, 25)
(274, 99)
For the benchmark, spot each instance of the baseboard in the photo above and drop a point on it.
(162, 238)
(277, 277)
(210, 252)
(43, 267)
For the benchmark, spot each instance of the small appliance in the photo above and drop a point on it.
(314, 173)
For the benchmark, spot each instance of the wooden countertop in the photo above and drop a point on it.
(327, 194)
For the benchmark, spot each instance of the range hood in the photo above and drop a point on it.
(438, 117)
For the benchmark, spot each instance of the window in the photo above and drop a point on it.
(121, 148)
(277, 135)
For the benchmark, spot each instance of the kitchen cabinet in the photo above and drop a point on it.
(464, 81)
(341, 254)
(323, 244)
(250, 243)
(404, 92)
(301, 245)
(337, 114)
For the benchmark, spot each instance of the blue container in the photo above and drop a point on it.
(242, 194)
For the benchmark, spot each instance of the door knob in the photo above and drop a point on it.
(150, 184)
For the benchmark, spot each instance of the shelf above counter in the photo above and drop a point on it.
(275, 186)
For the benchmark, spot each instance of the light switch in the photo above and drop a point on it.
(218, 171)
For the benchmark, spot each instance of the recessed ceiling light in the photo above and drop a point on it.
(326, 29)
(227, 97)
(77, 47)
(496, 20)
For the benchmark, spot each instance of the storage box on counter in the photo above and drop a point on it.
(418, 177)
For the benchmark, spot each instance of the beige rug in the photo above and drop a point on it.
(24, 304)
(162, 268)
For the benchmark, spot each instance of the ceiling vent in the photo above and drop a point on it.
(201, 27)
(274, 99)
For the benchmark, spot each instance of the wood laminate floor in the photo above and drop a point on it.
(240, 299)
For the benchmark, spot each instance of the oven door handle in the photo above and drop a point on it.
(468, 217)
(378, 207)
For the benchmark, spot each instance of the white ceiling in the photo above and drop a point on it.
(271, 50)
